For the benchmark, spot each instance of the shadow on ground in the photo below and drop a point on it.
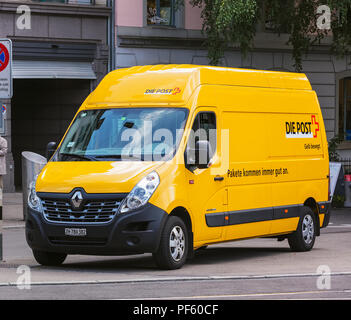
(144, 262)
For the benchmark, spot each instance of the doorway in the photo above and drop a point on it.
(41, 111)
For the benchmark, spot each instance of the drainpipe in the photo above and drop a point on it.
(111, 36)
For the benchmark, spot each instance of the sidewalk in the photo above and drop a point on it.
(12, 210)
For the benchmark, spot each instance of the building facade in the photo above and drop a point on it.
(162, 32)
(61, 51)
(69, 45)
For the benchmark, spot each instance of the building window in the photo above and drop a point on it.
(345, 108)
(160, 12)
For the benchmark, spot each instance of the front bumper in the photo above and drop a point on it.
(131, 233)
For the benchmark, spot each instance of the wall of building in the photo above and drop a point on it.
(143, 45)
(57, 32)
(193, 19)
(131, 13)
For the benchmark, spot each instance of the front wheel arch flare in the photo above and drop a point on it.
(183, 214)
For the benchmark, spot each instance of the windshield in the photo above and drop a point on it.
(144, 134)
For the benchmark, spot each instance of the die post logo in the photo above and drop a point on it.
(302, 129)
(162, 91)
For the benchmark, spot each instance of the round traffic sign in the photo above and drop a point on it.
(4, 57)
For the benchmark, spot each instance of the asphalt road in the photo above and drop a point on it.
(250, 269)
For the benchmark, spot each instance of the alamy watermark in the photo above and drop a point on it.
(24, 20)
(324, 279)
(324, 20)
(201, 146)
(24, 279)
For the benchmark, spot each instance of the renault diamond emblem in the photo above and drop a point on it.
(77, 200)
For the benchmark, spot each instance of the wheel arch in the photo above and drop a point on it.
(183, 214)
(312, 204)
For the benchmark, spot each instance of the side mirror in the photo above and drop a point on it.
(200, 156)
(50, 150)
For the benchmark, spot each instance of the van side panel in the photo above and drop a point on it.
(278, 156)
(255, 99)
(248, 187)
(300, 162)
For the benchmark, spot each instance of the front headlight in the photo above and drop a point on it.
(33, 200)
(141, 193)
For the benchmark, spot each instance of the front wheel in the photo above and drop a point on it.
(304, 237)
(49, 258)
(173, 248)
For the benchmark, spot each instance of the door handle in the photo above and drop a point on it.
(218, 178)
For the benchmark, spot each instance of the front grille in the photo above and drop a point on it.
(93, 211)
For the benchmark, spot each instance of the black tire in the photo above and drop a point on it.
(173, 251)
(49, 258)
(304, 237)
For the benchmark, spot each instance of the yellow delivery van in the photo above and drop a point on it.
(167, 159)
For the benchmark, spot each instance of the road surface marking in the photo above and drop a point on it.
(172, 279)
(247, 295)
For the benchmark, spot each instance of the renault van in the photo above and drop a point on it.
(168, 159)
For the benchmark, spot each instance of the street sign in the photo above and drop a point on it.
(334, 168)
(1, 247)
(5, 69)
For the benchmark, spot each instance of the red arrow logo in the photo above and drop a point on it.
(176, 91)
(314, 121)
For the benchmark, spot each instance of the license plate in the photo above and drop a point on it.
(75, 232)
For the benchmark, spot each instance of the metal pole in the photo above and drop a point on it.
(113, 35)
(345, 107)
(1, 250)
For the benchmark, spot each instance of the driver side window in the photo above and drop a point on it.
(202, 142)
(204, 128)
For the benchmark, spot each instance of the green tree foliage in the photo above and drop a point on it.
(234, 23)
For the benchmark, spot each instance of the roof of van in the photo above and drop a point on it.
(174, 84)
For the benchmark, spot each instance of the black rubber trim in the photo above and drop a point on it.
(249, 216)
(252, 215)
(221, 219)
(292, 212)
(215, 219)
(326, 208)
(325, 211)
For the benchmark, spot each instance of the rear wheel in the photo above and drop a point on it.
(49, 258)
(173, 248)
(304, 237)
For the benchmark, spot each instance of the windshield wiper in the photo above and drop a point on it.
(74, 155)
(118, 156)
(113, 156)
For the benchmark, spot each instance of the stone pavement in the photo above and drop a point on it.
(12, 210)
